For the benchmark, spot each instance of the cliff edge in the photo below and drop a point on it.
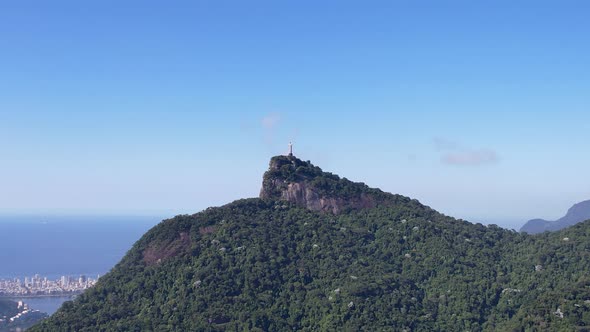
(300, 182)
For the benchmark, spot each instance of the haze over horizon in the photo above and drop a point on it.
(480, 111)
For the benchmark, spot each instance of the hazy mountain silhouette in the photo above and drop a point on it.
(577, 213)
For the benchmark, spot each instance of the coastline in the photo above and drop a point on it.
(12, 297)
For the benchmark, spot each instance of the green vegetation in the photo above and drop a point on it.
(269, 265)
(293, 170)
(9, 309)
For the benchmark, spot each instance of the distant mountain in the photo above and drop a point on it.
(577, 213)
(317, 252)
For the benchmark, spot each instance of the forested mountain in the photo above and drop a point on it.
(8, 309)
(577, 213)
(16, 318)
(318, 252)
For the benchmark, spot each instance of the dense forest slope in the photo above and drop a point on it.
(577, 213)
(318, 252)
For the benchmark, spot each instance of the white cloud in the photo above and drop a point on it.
(453, 153)
(470, 157)
(441, 144)
(271, 120)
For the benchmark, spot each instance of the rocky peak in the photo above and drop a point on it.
(300, 182)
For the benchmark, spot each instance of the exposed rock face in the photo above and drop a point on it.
(303, 194)
(577, 213)
(293, 180)
(157, 252)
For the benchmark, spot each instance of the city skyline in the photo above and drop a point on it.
(39, 286)
(480, 111)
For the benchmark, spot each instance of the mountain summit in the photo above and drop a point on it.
(317, 252)
(291, 179)
(577, 213)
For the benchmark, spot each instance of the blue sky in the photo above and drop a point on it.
(478, 109)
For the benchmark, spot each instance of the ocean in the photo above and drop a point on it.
(48, 305)
(52, 246)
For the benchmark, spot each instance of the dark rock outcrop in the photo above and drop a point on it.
(157, 252)
(291, 179)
